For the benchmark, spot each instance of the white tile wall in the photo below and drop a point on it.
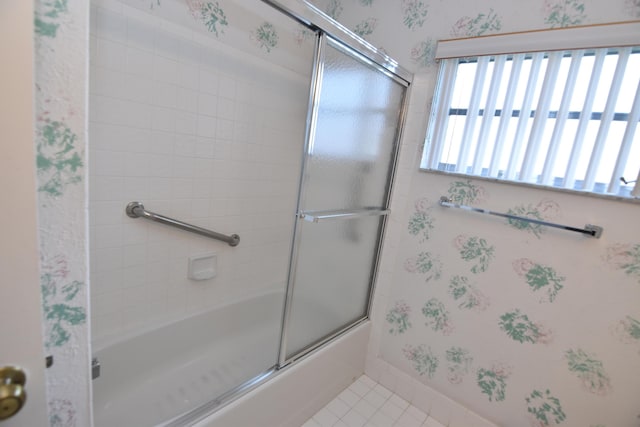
(211, 146)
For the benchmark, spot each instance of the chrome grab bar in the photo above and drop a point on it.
(318, 216)
(589, 230)
(137, 210)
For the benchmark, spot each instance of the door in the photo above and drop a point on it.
(20, 315)
(344, 197)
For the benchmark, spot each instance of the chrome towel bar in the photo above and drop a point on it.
(137, 210)
(589, 230)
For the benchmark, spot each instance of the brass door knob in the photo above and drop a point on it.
(12, 394)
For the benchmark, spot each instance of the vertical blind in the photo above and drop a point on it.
(560, 118)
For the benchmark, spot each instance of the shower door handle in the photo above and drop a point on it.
(321, 216)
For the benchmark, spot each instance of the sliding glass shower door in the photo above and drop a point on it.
(344, 197)
(200, 113)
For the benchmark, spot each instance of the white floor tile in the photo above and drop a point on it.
(359, 388)
(375, 398)
(407, 420)
(367, 381)
(325, 418)
(380, 419)
(416, 413)
(365, 409)
(431, 422)
(354, 419)
(384, 392)
(366, 403)
(391, 410)
(349, 397)
(338, 407)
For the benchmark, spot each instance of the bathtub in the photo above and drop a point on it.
(152, 378)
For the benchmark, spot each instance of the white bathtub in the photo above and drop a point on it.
(151, 378)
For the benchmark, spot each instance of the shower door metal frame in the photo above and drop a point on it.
(312, 17)
(323, 26)
(312, 117)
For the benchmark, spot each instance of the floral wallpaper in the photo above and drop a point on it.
(61, 43)
(210, 14)
(265, 36)
(256, 30)
(523, 326)
(48, 15)
(408, 29)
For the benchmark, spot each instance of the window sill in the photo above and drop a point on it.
(609, 197)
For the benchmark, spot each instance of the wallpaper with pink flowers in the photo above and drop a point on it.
(521, 323)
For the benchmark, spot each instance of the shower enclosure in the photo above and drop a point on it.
(261, 119)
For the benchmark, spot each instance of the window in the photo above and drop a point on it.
(555, 117)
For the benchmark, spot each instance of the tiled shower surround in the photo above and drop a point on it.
(196, 131)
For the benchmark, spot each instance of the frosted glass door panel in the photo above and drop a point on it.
(354, 145)
(345, 189)
(333, 278)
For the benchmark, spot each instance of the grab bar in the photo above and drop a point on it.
(319, 216)
(137, 210)
(589, 230)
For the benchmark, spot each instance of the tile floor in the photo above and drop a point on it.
(366, 403)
